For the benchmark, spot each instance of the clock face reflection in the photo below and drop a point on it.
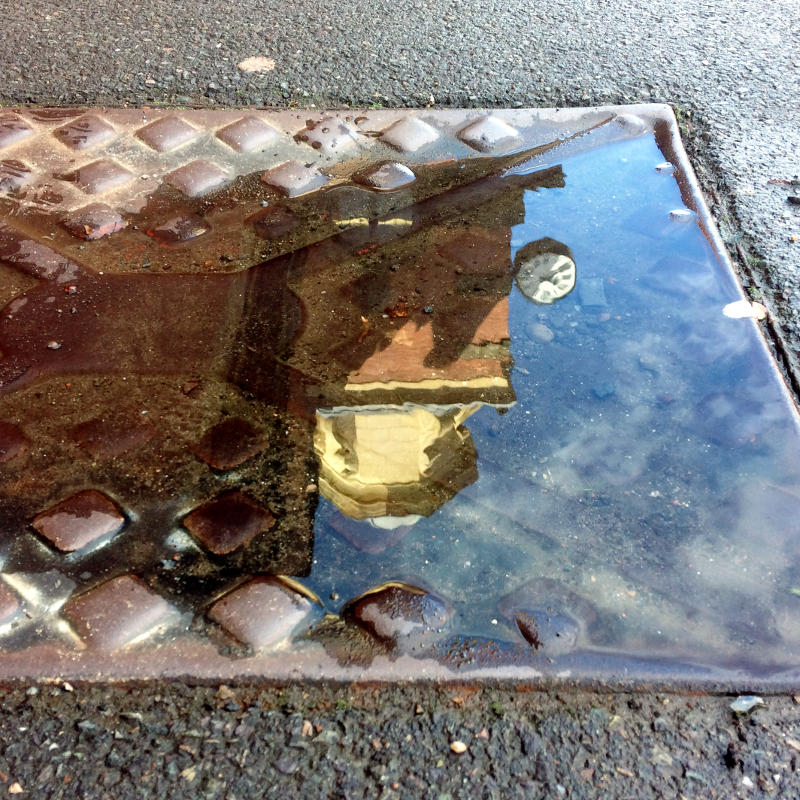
(545, 271)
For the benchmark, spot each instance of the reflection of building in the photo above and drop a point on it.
(371, 345)
(397, 462)
(391, 442)
(396, 449)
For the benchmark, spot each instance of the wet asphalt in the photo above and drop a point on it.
(339, 742)
(730, 70)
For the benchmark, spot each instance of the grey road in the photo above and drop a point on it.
(333, 742)
(731, 71)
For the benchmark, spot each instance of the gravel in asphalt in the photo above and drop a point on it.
(340, 742)
(730, 70)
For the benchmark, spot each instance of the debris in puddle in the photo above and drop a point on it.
(541, 332)
(604, 390)
(366, 327)
(592, 293)
(682, 215)
(745, 703)
(398, 311)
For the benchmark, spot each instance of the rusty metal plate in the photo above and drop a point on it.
(382, 395)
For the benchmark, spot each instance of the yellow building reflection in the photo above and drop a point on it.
(394, 464)
(394, 448)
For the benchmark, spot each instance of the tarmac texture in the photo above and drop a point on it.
(333, 742)
(729, 70)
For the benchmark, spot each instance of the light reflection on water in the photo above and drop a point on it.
(521, 394)
(650, 464)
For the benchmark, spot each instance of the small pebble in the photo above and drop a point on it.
(458, 747)
(286, 765)
(225, 693)
(745, 703)
(54, 345)
(660, 725)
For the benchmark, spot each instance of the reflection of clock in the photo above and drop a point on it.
(545, 271)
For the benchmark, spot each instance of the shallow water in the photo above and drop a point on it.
(522, 396)
(649, 464)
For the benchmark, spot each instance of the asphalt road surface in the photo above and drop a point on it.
(309, 742)
(730, 70)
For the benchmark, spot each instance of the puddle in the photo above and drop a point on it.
(474, 414)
